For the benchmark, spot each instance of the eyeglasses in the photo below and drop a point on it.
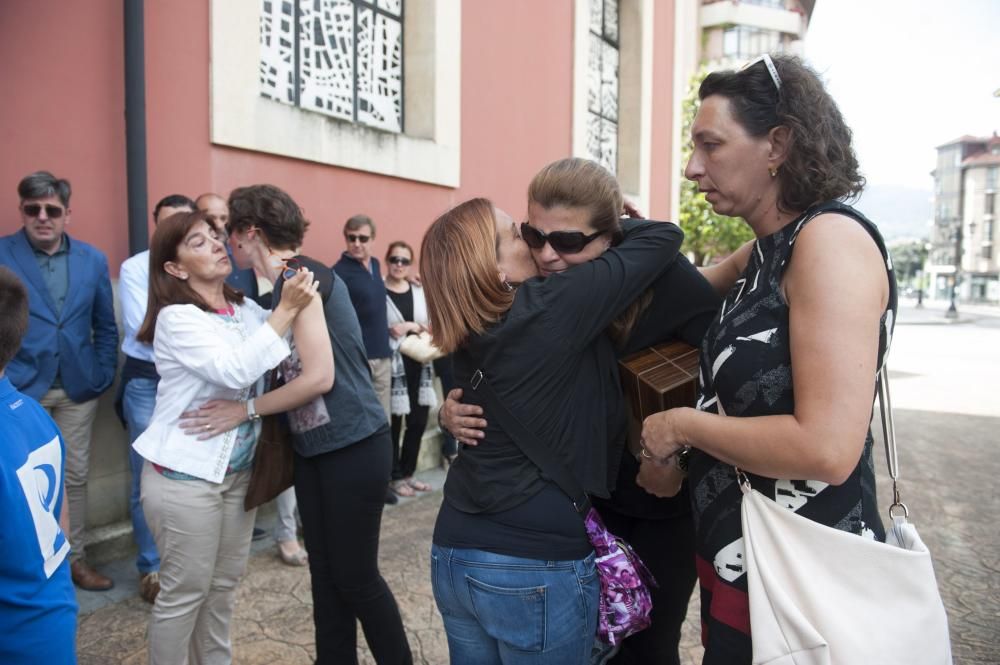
(563, 242)
(771, 69)
(292, 267)
(399, 261)
(35, 209)
(354, 237)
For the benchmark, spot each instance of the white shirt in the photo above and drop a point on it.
(133, 290)
(199, 357)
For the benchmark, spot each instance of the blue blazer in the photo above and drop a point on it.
(81, 342)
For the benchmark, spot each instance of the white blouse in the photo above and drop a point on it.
(200, 357)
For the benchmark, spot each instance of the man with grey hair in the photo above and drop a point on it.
(69, 356)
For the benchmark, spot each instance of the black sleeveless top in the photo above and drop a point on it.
(746, 368)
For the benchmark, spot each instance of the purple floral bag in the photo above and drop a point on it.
(625, 581)
(625, 601)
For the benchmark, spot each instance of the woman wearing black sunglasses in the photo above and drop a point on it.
(513, 571)
(412, 382)
(568, 225)
(339, 433)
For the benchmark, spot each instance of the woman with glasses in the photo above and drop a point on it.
(412, 382)
(788, 366)
(209, 343)
(340, 435)
(512, 568)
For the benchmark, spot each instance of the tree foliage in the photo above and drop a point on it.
(707, 235)
(908, 259)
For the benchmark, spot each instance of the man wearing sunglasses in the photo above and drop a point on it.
(69, 356)
(363, 277)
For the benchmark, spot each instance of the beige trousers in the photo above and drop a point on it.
(382, 380)
(75, 422)
(203, 536)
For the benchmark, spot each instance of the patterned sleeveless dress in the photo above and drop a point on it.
(746, 369)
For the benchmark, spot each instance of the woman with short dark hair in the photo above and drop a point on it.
(209, 343)
(339, 434)
(788, 366)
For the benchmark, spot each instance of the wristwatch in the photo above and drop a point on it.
(252, 414)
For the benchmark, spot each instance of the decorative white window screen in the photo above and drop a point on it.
(602, 84)
(342, 58)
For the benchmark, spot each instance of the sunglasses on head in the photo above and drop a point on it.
(399, 261)
(354, 237)
(35, 209)
(563, 242)
(771, 69)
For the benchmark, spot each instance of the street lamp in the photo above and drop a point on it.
(952, 312)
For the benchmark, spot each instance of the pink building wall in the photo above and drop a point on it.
(63, 111)
(66, 114)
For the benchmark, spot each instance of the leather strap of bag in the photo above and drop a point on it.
(532, 447)
(889, 438)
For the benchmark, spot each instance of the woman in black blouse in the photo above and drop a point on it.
(513, 571)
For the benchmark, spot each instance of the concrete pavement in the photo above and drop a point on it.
(944, 385)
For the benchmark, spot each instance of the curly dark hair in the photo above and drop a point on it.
(821, 164)
(272, 211)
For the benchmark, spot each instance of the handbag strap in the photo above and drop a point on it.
(529, 443)
(889, 438)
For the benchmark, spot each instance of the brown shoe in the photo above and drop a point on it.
(149, 586)
(87, 578)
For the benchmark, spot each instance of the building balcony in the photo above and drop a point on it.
(732, 12)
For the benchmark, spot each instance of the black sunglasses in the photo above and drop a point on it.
(354, 237)
(399, 261)
(35, 209)
(563, 242)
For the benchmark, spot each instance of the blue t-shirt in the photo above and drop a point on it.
(368, 297)
(37, 602)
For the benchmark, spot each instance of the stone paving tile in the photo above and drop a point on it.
(949, 465)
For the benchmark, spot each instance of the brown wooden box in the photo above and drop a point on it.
(661, 377)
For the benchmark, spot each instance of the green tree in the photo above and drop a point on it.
(707, 236)
(908, 259)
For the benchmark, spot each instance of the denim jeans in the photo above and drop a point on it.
(504, 610)
(137, 406)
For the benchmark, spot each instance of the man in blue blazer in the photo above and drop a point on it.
(69, 356)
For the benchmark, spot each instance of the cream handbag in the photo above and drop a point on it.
(821, 596)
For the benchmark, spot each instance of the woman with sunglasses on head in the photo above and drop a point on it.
(513, 570)
(339, 434)
(412, 382)
(788, 368)
(209, 342)
(679, 305)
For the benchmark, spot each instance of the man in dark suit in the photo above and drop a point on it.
(69, 356)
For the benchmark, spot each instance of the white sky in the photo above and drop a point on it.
(908, 75)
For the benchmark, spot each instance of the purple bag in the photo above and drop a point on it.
(625, 580)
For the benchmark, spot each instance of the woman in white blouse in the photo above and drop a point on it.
(208, 342)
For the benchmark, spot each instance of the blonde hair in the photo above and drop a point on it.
(458, 266)
(581, 183)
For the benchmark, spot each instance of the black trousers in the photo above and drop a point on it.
(405, 460)
(666, 546)
(341, 495)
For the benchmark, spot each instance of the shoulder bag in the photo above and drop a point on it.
(625, 602)
(273, 461)
(821, 596)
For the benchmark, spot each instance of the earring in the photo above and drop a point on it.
(773, 171)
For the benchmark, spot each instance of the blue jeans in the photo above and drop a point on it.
(504, 610)
(137, 406)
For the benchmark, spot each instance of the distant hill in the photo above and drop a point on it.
(898, 211)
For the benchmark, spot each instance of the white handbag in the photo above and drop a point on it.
(821, 596)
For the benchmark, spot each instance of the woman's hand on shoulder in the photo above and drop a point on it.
(299, 291)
